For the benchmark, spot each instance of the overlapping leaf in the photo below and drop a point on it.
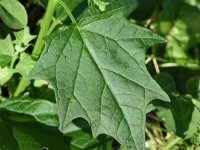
(37, 128)
(27, 136)
(42, 111)
(98, 72)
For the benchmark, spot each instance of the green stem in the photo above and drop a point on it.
(14, 58)
(21, 87)
(39, 42)
(172, 143)
(1, 97)
(157, 58)
(44, 28)
(66, 8)
(53, 25)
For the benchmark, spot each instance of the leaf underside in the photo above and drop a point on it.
(98, 73)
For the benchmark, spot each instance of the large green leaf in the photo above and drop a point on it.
(25, 110)
(14, 135)
(13, 14)
(98, 72)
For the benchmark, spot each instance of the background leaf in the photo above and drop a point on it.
(180, 115)
(13, 14)
(25, 65)
(5, 75)
(31, 136)
(79, 133)
(22, 39)
(193, 86)
(7, 142)
(41, 111)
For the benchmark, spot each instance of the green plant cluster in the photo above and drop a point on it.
(99, 74)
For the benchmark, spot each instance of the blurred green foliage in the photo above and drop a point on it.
(174, 125)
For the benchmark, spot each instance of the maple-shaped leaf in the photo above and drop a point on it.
(98, 71)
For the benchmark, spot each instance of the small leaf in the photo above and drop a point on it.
(98, 73)
(108, 5)
(13, 14)
(22, 38)
(5, 75)
(6, 51)
(39, 110)
(25, 65)
(101, 4)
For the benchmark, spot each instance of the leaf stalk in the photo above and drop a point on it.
(68, 11)
(44, 28)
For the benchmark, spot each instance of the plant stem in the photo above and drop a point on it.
(44, 28)
(172, 143)
(21, 87)
(157, 58)
(54, 23)
(66, 8)
(39, 42)
(45, 25)
(13, 60)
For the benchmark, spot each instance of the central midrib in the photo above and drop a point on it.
(106, 82)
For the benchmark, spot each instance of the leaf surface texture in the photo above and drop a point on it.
(98, 72)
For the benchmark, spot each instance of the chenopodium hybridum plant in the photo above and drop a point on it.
(97, 68)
